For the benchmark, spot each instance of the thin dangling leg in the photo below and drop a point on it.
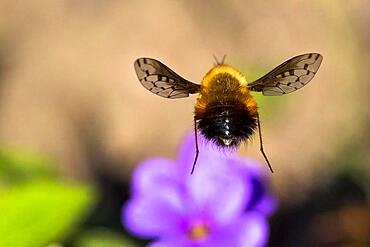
(196, 145)
(261, 143)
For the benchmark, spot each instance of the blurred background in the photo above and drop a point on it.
(75, 121)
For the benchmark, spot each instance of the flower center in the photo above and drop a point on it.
(198, 231)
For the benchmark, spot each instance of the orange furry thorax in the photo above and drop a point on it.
(223, 84)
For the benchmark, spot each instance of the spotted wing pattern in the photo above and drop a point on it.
(161, 80)
(288, 76)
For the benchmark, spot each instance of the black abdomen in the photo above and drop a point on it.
(227, 124)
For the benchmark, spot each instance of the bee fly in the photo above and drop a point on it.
(225, 112)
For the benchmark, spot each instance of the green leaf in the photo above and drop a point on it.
(37, 214)
(18, 166)
(104, 238)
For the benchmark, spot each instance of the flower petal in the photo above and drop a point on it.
(252, 230)
(172, 242)
(153, 174)
(151, 217)
(261, 199)
(266, 205)
(218, 192)
(156, 207)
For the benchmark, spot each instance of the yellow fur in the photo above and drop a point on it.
(219, 69)
(214, 91)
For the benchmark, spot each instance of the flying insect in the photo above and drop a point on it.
(225, 111)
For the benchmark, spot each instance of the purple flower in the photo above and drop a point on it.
(224, 203)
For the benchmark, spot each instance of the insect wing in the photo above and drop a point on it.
(288, 76)
(161, 80)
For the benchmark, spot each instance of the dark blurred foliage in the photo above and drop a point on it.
(107, 212)
(334, 216)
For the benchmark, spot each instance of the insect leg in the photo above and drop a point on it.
(196, 144)
(261, 143)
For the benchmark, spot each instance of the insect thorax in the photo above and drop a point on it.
(225, 111)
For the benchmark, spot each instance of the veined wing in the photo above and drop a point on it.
(161, 80)
(288, 76)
